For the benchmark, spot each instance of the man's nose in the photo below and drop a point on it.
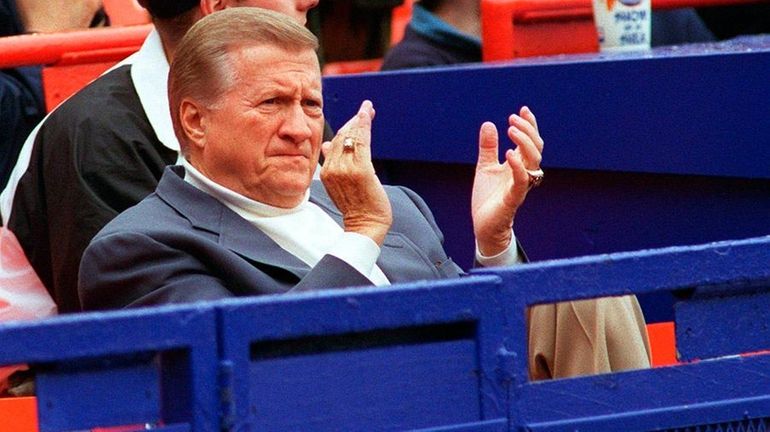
(295, 126)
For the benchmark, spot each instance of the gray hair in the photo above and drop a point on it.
(202, 68)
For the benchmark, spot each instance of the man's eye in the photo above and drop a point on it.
(271, 101)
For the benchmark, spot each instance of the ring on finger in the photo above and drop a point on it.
(349, 144)
(535, 177)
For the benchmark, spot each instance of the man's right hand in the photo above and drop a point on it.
(350, 180)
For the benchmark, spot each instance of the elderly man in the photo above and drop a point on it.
(98, 153)
(244, 216)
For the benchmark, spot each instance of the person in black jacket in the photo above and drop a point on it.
(21, 94)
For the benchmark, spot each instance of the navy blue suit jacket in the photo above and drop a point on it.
(181, 245)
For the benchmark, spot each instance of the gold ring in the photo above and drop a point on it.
(348, 144)
(535, 177)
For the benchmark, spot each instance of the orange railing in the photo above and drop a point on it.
(80, 46)
(71, 59)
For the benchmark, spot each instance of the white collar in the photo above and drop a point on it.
(244, 206)
(149, 73)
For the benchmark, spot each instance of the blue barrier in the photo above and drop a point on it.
(154, 366)
(719, 393)
(432, 356)
(647, 150)
(422, 356)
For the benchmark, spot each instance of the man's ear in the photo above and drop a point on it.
(192, 119)
(208, 7)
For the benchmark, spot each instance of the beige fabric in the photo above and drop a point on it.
(587, 337)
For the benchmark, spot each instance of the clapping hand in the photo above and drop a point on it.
(499, 189)
(350, 180)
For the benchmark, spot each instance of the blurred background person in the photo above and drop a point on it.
(444, 32)
(21, 94)
(727, 22)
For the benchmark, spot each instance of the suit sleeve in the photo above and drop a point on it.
(422, 206)
(133, 269)
(448, 268)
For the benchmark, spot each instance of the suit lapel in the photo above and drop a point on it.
(205, 213)
(399, 260)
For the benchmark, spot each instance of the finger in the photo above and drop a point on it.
(361, 131)
(527, 113)
(527, 127)
(331, 153)
(529, 152)
(488, 143)
(520, 186)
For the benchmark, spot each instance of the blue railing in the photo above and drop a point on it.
(663, 148)
(438, 356)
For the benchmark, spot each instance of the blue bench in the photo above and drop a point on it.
(433, 356)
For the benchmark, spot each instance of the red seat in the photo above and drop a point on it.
(662, 343)
(19, 414)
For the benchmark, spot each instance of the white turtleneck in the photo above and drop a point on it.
(305, 231)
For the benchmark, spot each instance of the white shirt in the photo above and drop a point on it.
(305, 231)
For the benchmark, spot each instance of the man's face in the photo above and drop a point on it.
(263, 136)
(296, 9)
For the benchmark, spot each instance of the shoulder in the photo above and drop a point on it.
(678, 26)
(414, 51)
(136, 219)
(171, 210)
(109, 101)
(103, 124)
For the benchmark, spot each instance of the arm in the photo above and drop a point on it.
(130, 269)
(568, 338)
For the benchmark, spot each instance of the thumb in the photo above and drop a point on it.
(488, 142)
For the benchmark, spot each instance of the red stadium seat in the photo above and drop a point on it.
(662, 343)
(525, 28)
(351, 67)
(19, 414)
(399, 20)
(71, 59)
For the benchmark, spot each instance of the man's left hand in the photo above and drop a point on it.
(500, 189)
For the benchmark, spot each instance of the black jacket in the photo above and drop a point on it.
(21, 97)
